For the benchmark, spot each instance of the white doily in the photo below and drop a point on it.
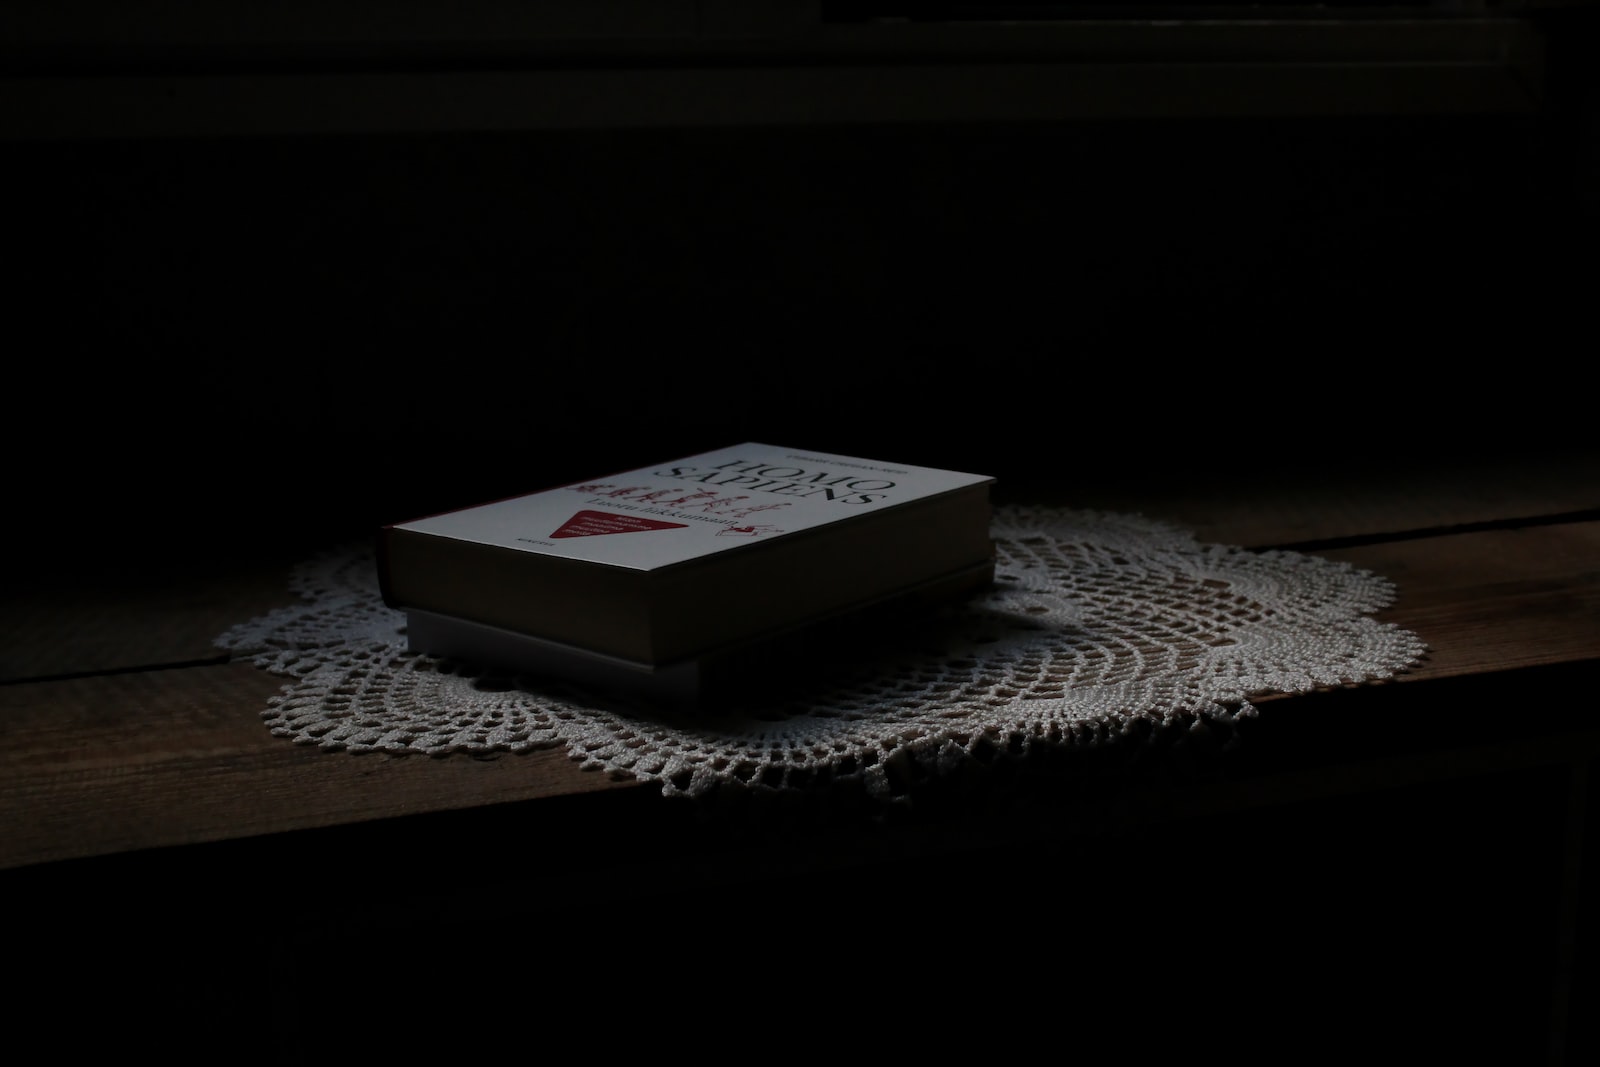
(1097, 622)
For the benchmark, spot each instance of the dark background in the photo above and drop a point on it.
(223, 341)
(229, 344)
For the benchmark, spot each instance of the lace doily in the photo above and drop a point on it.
(1097, 623)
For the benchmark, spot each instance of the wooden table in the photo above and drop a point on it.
(1413, 858)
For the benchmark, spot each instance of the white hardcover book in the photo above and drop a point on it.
(678, 559)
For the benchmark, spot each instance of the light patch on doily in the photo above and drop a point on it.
(1096, 622)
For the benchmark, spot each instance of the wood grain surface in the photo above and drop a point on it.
(122, 726)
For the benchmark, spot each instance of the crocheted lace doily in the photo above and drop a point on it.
(1097, 622)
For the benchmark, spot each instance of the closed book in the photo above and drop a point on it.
(665, 565)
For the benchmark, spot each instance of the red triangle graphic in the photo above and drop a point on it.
(593, 523)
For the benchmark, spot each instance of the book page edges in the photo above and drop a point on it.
(717, 676)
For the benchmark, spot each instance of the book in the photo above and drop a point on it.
(653, 580)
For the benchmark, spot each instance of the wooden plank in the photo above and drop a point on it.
(90, 766)
(1493, 601)
(134, 620)
(454, 100)
(1267, 507)
(153, 758)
